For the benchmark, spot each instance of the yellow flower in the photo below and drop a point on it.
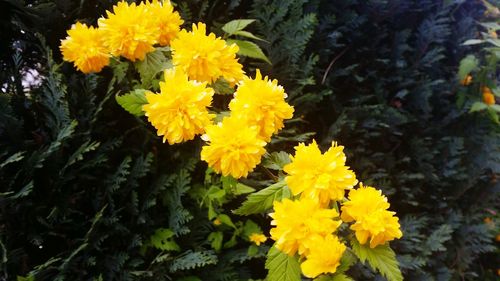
(129, 31)
(166, 21)
(257, 238)
(324, 256)
(205, 57)
(379, 227)
(233, 147)
(363, 201)
(322, 177)
(367, 207)
(497, 238)
(488, 97)
(84, 48)
(263, 103)
(217, 221)
(296, 222)
(179, 112)
(488, 220)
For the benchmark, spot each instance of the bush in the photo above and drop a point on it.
(89, 192)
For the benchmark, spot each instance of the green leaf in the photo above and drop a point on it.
(249, 49)
(472, 42)
(253, 250)
(495, 107)
(236, 25)
(276, 160)
(243, 189)
(225, 219)
(250, 228)
(382, 258)
(248, 35)
(215, 239)
(491, 25)
(348, 259)
(133, 102)
(263, 200)
(281, 266)
(477, 106)
(222, 87)
(154, 63)
(162, 239)
(467, 65)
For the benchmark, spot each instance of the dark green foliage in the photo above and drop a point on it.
(86, 187)
(392, 68)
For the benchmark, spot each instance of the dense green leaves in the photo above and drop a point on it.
(467, 65)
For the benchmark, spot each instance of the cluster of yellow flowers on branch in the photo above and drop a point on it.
(307, 225)
(130, 31)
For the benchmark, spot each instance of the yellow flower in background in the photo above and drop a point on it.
(363, 201)
(84, 48)
(296, 222)
(129, 31)
(257, 238)
(179, 112)
(263, 103)
(488, 97)
(378, 228)
(367, 207)
(322, 177)
(205, 57)
(324, 256)
(166, 20)
(234, 148)
(467, 81)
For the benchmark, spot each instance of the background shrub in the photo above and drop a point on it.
(84, 185)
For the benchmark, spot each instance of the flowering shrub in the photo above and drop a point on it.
(310, 212)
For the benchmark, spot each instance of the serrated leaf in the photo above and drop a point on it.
(249, 49)
(236, 25)
(477, 106)
(262, 200)
(153, 63)
(281, 266)
(381, 258)
(133, 101)
(248, 35)
(276, 160)
(467, 65)
(162, 239)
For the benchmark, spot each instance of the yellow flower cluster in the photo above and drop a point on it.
(307, 225)
(322, 177)
(205, 57)
(367, 207)
(179, 112)
(236, 145)
(130, 31)
(262, 103)
(304, 227)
